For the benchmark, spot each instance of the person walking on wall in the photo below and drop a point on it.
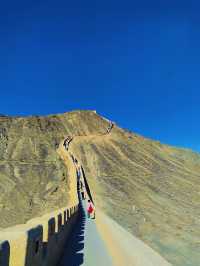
(78, 171)
(65, 144)
(82, 192)
(90, 209)
(80, 184)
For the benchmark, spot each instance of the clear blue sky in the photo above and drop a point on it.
(135, 62)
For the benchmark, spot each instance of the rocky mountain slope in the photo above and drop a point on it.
(33, 178)
(151, 189)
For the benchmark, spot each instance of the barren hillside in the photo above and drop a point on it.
(151, 189)
(33, 178)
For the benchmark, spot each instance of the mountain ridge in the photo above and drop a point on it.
(149, 188)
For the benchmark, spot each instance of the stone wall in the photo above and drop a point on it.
(39, 242)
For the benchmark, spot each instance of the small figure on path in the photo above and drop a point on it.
(90, 209)
(65, 144)
(110, 127)
(82, 193)
(78, 173)
(80, 184)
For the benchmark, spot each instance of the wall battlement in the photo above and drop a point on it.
(39, 242)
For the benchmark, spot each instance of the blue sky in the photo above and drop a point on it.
(135, 62)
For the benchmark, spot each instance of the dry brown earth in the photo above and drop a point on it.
(151, 189)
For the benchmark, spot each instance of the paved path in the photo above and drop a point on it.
(85, 246)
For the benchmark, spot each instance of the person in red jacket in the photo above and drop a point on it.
(90, 209)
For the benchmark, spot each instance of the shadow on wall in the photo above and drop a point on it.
(48, 253)
(74, 248)
(86, 185)
(34, 246)
(44, 242)
(4, 254)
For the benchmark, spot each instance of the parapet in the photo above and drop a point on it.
(40, 241)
